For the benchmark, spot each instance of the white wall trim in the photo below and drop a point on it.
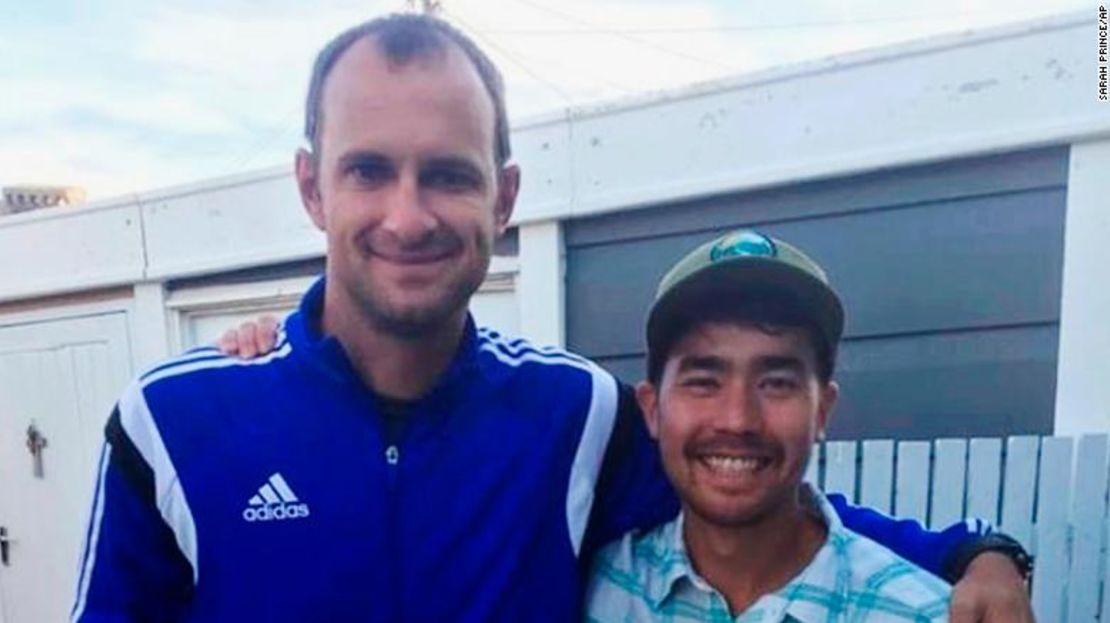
(1082, 384)
(223, 295)
(541, 285)
(67, 310)
(149, 325)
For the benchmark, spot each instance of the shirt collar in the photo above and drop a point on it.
(305, 334)
(830, 567)
(671, 562)
(827, 569)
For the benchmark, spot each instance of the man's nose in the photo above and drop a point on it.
(742, 411)
(406, 217)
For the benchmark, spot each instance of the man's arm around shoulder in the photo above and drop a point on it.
(988, 586)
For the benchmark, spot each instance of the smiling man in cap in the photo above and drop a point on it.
(742, 340)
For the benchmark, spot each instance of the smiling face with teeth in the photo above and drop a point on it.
(736, 412)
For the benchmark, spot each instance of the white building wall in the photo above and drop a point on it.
(227, 225)
(61, 250)
(542, 284)
(1083, 384)
(150, 340)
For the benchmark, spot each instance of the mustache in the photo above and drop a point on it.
(435, 243)
(733, 443)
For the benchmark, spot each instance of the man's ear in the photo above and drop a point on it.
(306, 169)
(507, 188)
(830, 393)
(648, 399)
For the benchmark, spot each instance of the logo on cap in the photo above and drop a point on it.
(743, 244)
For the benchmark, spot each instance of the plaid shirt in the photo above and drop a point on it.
(648, 577)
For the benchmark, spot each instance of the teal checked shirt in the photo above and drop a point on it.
(647, 576)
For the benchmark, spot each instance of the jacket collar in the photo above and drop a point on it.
(326, 354)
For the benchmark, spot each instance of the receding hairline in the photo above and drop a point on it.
(445, 52)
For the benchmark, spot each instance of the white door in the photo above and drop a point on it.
(58, 378)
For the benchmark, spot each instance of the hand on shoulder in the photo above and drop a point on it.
(251, 339)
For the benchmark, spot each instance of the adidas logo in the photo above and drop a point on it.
(274, 501)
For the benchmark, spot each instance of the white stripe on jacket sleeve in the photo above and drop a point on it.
(600, 421)
(140, 427)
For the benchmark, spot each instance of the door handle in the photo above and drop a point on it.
(4, 544)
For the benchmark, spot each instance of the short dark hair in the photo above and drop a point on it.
(403, 37)
(767, 309)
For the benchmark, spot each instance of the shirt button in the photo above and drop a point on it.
(392, 455)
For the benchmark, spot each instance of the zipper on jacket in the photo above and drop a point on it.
(394, 415)
(392, 458)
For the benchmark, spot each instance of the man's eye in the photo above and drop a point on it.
(779, 384)
(449, 180)
(369, 172)
(700, 383)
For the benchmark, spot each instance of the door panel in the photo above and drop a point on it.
(61, 376)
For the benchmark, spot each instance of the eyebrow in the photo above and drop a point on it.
(460, 165)
(781, 362)
(702, 363)
(453, 162)
(363, 157)
(712, 363)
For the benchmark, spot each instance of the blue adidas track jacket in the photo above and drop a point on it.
(269, 490)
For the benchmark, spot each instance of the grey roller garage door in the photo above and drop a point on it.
(950, 272)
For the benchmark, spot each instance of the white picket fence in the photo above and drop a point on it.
(1048, 492)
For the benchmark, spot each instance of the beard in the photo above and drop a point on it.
(390, 311)
(751, 508)
(412, 322)
(408, 307)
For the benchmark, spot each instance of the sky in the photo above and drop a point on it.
(126, 96)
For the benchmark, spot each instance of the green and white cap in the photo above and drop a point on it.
(739, 263)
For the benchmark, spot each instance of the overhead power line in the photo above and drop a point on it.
(512, 58)
(267, 138)
(626, 36)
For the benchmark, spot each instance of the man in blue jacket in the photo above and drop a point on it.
(389, 461)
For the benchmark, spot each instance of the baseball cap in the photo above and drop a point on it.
(739, 264)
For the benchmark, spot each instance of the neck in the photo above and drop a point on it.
(745, 562)
(399, 366)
